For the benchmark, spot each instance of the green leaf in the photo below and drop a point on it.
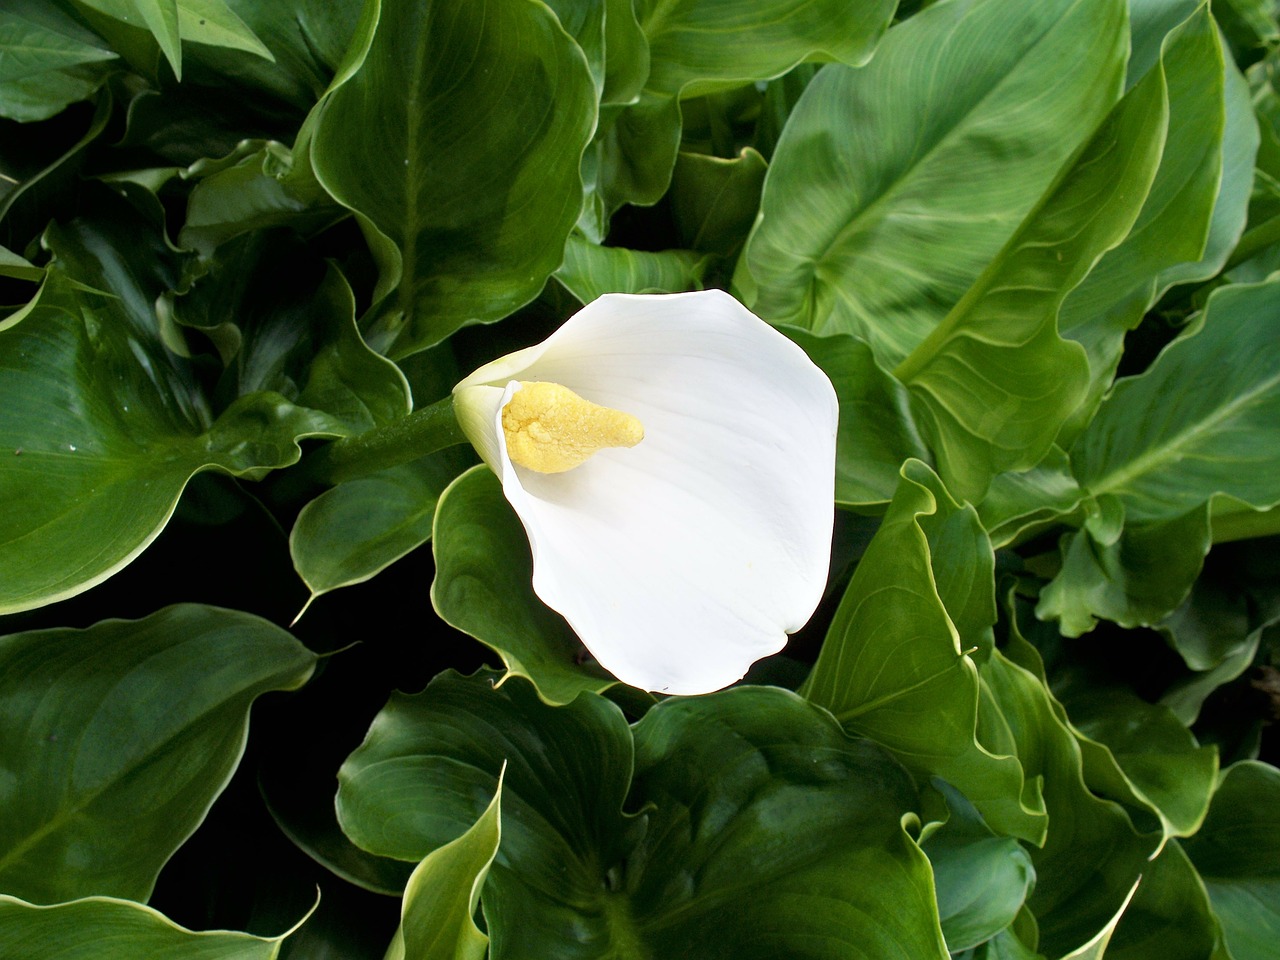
(356, 529)
(252, 193)
(170, 22)
(981, 880)
(443, 893)
(590, 270)
(20, 268)
(993, 383)
(48, 181)
(484, 587)
(876, 434)
(48, 61)
(1173, 227)
(159, 17)
(106, 420)
(1017, 503)
(1141, 755)
(714, 201)
(763, 832)
(296, 339)
(1092, 855)
(118, 738)
(214, 23)
(478, 211)
(1135, 579)
(1237, 853)
(701, 46)
(1169, 917)
(101, 928)
(877, 227)
(892, 667)
(1165, 449)
(697, 47)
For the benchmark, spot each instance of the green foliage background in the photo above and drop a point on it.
(1032, 245)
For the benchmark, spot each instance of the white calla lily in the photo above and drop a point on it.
(683, 557)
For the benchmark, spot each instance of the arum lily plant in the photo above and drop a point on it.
(672, 460)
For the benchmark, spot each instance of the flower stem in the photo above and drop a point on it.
(401, 441)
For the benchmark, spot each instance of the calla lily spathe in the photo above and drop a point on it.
(683, 557)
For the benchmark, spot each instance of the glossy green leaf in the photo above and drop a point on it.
(358, 528)
(478, 211)
(993, 383)
(101, 928)
(981, 880)
(893, 667)
(698, 46)
(877, 227)
(172, 21)
(590, 270)
(1237, 853)
(1092, 855)
(12, 265)
(1096, 947)
(1141, 754)
(1169, 917)
(714, 201)
(119, 737)
(47, 60)
(253, 193)
(106, 420)
(484, 587)
(443, 894)
(763, 830)
(1164, 449)
(1135, 579)
(1026, 500)
(306, 38)
(876, 434)
(1174, 225)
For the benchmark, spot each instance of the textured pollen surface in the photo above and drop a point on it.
(551, 429)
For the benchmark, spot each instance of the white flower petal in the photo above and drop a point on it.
(683, 560)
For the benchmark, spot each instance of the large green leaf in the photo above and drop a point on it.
(981, 880)
(874, 226)
(1169, 917)
(1016, 503)
(484, 587)
(1135, 576)
(356, 529)
(443, 894)
(699, 46)
(101, 928)
(47, 60)
(763, 832)
(106, 421)
(473, 119)
(993, 383)
(590, 270)
(172, 21)
(1203, 420)
(876, 434)
(893, 667)
(1140, 754)
(1092, 855)
(1175, 222)
(118, 738)
(1237, 853)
